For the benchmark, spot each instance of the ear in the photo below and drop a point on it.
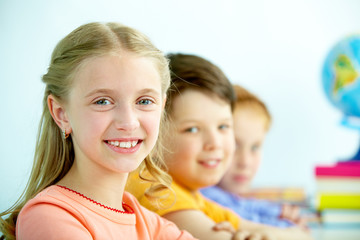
(58, 113)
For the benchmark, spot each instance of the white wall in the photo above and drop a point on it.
(274, 48)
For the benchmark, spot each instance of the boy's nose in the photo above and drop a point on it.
(211, 140)
(242, 158)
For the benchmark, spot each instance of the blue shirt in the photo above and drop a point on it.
(260, 211)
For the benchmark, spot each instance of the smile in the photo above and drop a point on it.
(211, 163)
(128, 144)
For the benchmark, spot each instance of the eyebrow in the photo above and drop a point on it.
(101, 90)
(192, 120)
(108, 91)
(149, 90)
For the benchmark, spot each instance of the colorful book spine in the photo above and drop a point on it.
(338, 185)
(338, 201)
(341, 218)
(339, 170)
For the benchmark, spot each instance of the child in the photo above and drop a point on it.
(104, 96)
(251, 123)
(200, 146)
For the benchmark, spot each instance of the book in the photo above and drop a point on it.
(337, 201)
(338, 185)
(340, 218)
(338, 170)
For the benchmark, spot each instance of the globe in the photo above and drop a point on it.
(341, 80)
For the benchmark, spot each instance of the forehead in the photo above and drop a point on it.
(117, 72)
(249, 123)
(193, 104)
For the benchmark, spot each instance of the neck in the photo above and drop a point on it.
(104, 187)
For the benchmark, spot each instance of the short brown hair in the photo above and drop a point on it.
(194, 72)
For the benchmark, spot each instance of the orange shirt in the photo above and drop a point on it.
(180, 199)
(59, 213)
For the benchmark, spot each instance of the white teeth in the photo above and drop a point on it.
(123, 144)
(212, 163)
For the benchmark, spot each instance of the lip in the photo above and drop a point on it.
(240, 178)
(124, 150)
(210, 163)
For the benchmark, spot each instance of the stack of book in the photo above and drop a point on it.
(338, 194)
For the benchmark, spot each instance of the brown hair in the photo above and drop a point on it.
(193, 72)
(245, 99)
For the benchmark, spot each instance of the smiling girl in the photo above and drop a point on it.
(103, 104)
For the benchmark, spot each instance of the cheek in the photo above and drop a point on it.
(151, 124)
(180, 151)
(256, 163)
(87, 124)
(229, 147)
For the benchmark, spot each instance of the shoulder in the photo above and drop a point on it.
(49, 214)
(217, 194)
(218, 212)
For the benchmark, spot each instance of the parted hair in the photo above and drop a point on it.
(54, 155)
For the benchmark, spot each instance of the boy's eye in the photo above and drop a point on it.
(224, 126)
(102, 102)
(255, 148)
(145, 102)
(192, 130)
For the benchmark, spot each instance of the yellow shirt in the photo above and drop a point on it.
(181, 200)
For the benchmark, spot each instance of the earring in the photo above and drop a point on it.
(64, 134)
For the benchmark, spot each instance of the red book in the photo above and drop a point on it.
(338, 170)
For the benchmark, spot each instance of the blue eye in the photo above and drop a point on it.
(224, 126)
(192, 130)
(255, 148)
(145, 102)
(102, 102)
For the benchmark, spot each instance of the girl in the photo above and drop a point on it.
(251, 123)
(103, 102)
(200, 146)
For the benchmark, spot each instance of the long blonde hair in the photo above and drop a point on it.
(54, 156)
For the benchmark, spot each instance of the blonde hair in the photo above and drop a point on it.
(245, 99)
(54, 156)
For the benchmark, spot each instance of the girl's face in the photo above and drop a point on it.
(200, 141)
(114, 111)
(249, 129)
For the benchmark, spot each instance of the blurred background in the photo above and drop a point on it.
(275, 48)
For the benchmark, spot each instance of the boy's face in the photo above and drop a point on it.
(250, 131)
(200, 141)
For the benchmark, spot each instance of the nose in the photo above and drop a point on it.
(242, 158)
(212, 140)
(126, 118)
